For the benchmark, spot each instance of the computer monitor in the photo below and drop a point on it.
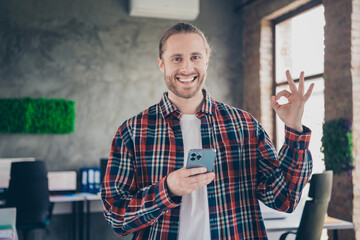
(62, 182)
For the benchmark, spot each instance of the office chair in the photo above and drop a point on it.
(29, 193)
(103, 165)
(313, 216)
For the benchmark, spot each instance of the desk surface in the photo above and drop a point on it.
(74, 197)
(66, 198)
(64, 203)
(290, 224)
(334, 223)
(69, 198)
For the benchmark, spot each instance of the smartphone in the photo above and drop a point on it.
(201, 158)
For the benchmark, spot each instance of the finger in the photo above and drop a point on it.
(201, 180)
(291, 82)
(202, 177)
(283, 93)
(308, 92)
(274, 103)
(301, 83)
(195, 171)
(208, 180)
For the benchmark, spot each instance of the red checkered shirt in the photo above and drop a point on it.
(149, 146)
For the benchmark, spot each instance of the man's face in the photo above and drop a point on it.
(184, 62)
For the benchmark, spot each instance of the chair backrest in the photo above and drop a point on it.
(29, 193)
(320, 186)
(103, 165)
(312, 219)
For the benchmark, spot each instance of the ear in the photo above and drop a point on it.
(207, 61)
(161, 65)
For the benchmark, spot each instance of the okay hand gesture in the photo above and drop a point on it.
(291, 113)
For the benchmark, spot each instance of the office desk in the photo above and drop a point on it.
(89, 199)
(80, 228)
(77, 202)
(291, 224)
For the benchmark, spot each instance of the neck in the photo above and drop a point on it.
(187, 105)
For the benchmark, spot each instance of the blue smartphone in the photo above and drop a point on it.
(201, 158)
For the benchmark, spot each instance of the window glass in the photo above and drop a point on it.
(300, 44)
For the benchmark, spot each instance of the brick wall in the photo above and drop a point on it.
(342, 82)
(337, 74)
(339, 98)
(355, 72)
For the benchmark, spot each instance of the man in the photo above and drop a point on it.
(148, 192)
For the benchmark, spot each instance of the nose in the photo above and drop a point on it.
(186, 65)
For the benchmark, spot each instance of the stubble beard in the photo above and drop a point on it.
(173, 86)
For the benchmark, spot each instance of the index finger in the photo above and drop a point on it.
(195, 171)
(301, 83)
(290, 81)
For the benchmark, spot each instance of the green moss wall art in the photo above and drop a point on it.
(37, 116)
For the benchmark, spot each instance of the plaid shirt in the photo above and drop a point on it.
(149, 146)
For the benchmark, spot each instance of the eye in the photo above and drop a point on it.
(176, 59)
(195, 57)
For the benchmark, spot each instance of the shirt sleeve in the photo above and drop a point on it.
(126, 207)
(282, 177)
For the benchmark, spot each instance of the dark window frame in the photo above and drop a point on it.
(274, 22)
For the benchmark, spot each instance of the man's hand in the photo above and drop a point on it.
(183, 181)
(291, 112)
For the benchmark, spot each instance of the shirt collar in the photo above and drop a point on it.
(167, 107)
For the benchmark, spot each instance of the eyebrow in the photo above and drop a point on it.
(176, 55)
(196, 53)
(179, 55)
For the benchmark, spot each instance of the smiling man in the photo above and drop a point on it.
(184, 65)
(148, 191)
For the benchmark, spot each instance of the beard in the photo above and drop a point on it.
(185, 92)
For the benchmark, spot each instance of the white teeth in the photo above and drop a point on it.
(186, 80)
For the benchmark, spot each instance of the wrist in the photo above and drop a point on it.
(298, 128)
(168, 189)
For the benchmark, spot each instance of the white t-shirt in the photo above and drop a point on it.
(194, 210)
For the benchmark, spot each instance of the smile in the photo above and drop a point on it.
(186, 80)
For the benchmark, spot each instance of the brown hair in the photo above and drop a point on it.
(181, 28)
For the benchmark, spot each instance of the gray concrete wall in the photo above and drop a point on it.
(93, 52)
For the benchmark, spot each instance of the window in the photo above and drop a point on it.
(299, 46)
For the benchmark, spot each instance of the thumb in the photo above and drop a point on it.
(275, 105)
